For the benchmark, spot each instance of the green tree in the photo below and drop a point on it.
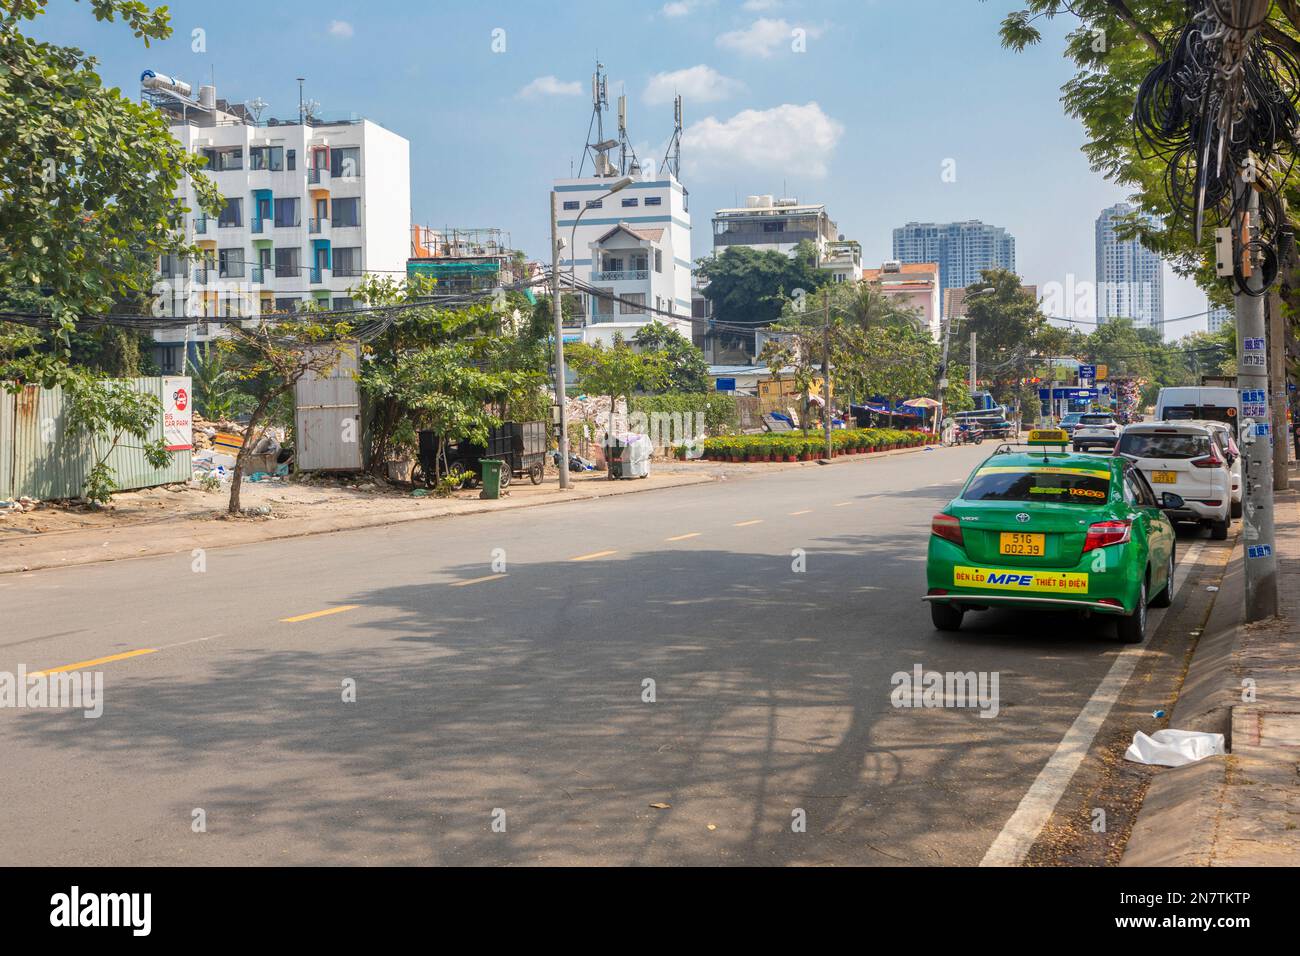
(87, 182)
(749, 288)
(686, 370)
(106, 413)
(616, 371)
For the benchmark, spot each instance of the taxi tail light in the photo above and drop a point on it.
(1105, 533)
(946, 527)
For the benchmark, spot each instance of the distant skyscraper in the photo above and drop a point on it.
(962, 249)
(1130, 277)
(1218, 317)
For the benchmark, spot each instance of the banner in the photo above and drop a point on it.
(178, 414)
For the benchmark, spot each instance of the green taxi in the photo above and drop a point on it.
(1037, 528)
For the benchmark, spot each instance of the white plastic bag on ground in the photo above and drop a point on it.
(1174, 748)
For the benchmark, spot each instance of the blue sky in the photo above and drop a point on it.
(863, 118)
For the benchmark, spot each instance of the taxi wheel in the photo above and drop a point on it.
(1166, 596)
(946, 617)
(1132, 628)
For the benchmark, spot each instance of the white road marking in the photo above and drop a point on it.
(1035, 809)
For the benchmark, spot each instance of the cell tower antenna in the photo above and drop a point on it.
(673, 156)
(598, 146)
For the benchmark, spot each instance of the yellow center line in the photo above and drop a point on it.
(594, 554)
(683, 537)
(307, 617)
(490, 577)
(746, 524)
(806, 511)
(80, 665)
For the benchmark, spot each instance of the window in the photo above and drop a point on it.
(266, 157)
(1163, 445)
(654, 200)
(1060, 485)
(286, 305)
(231, 263)
(612, 264)
(571, 204)
(343, 301)
(291, 159)
(603, 302)
(641, 262)
(232, 215)
(221, 160)
(347, 261)
(774, 227)
(595, 203)
(347, 212)
(631, 202)
(659, 260)
(633, 304)
(345, 161)
(286, 265)
(286, 212)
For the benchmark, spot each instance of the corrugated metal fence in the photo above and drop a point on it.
(40, 459)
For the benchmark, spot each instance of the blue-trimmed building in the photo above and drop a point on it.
(634, 244)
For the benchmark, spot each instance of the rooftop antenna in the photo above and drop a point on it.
(256, 106)
(673, 156)
(301, 110)
(599, 147)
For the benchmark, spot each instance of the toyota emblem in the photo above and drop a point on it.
(1022, 517)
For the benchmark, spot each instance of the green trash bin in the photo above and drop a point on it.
(491, 478)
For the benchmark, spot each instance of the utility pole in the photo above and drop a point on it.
(826, 370)
(1257, 442)
(973, 377)
(942, 391)
(562, 435)
(1277, 370)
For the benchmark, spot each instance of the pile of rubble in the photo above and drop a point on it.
(17, 506)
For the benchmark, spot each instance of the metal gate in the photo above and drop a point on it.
(327, 416)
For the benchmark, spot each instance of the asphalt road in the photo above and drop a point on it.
(484, 699)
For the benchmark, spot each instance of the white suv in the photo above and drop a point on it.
(1095, 428)
(1229, 445)
(1188, 460)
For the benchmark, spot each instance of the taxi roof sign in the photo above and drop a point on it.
(1049, 436)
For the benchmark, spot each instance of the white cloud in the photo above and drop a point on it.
(341, 29)
(697, 84)
(786, 138)
(550, 86)
(759, 5)
(763, 38)
(682, 8)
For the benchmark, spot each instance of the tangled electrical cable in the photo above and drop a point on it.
(1222, 104)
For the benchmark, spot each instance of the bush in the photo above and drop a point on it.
(721, 415)
(780, 446)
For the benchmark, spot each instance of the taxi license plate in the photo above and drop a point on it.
(1164, 477)
(1023, 544)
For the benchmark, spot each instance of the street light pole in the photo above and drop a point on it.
(562, 435)
(557, 312)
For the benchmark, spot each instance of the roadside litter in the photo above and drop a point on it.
(1174, 748)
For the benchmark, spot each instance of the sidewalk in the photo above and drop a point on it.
(170, 520)
(1244, 681)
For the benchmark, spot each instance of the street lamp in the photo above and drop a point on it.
(562, 439)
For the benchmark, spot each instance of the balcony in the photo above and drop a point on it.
(200, 225)
(316, 275)
(257, 225)
(318, 177)
(318, 226)
(620, 275)
(257, 274)
(201, 276)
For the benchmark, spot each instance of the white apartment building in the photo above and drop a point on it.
(766, 223)
(634, 244)
(1130, 277)
(312, 205)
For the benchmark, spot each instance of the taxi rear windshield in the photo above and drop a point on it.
(1062, 485)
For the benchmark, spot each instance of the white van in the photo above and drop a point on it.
(1199, 403)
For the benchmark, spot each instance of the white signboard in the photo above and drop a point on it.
(178, 413)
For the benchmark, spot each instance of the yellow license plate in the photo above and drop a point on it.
(1023, 544)
(1164, 477)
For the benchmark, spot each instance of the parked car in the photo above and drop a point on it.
(1229, 445)
(1184, 458)
(1070, 421)
(1093, 429)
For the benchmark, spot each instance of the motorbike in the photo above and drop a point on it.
(969, 435)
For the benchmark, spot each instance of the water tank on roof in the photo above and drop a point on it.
(208, 97)
(161, 81)
(765, 201)
(893, 265)
(751, 202)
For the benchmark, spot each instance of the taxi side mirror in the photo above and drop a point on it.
(1170, 501)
